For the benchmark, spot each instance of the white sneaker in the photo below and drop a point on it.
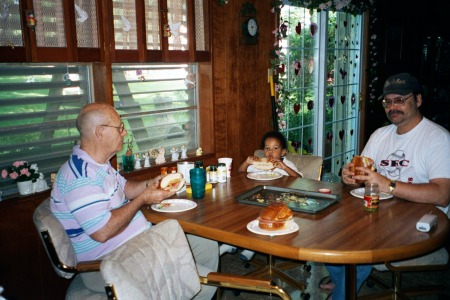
(246, 255)
(224, 248)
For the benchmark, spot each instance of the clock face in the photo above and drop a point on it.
(252, 27)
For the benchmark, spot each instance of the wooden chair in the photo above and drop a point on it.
(434, 261)
(154, 264)
(62, 255)
(310, 165)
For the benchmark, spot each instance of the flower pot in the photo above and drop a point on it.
(25, 187)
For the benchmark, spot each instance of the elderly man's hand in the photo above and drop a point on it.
(153, 194)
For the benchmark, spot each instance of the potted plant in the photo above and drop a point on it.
(23, 174)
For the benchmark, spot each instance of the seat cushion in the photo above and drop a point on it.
(156, 264)
(439, 257)
(45, 220)
(78, 291)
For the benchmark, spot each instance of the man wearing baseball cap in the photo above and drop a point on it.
(411, 158)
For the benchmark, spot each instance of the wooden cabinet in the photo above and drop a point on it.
(104, 31)
(25, 270)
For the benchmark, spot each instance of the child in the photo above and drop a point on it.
(274, 146)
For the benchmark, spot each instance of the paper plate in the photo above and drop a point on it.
(253, 227)
(265, 175)
(174, 205)
(359, 193)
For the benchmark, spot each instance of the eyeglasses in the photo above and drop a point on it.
(397, 101)
(121, 127)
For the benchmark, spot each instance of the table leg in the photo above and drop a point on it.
(350, 282)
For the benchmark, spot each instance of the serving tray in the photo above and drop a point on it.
(297, 200)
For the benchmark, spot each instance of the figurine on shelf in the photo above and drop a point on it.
(175, 153)
(199, 151)
(183, 152)
(40, 184)
(146, 160)
(160, 159)
(137, 161)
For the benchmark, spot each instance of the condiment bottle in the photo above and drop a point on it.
(212, 173)
(222, 172)
(371, 197)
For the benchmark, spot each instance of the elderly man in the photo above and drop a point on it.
(99, 208)
(411, 158)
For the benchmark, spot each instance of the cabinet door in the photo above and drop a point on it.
(49, 31)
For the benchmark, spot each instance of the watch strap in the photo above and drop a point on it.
(392, 186)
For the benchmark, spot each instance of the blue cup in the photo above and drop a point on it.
(198, 182)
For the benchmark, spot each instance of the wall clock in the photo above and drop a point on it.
(249, 25)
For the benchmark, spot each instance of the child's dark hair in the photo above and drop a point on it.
(276, 135)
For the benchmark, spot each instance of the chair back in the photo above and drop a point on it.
(156, 264)
(56, 242)
(309, 165)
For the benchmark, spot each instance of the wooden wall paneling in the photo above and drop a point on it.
(241, 93)
(207, 114)
(25, 270)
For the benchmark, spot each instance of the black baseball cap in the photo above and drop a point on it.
(401, 84)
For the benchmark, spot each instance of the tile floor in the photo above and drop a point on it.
(230, 263)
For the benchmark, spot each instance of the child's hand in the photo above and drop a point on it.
(252, 159)
(277, 163)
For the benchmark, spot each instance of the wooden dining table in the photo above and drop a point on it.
(343, 233)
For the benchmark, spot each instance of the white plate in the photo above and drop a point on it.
(360, 194)
(265, 175)
(174, 205)
(253, 227)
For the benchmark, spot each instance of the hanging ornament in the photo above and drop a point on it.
(310, 141)
(189, 81)
(311, 66)
(342, 99)
(297, 67)
(174, 29)
(296, 108)
(31, 19)
(330, 136)
(353, 99)
(345, 23)
(331, 101)
(67, 80)
(298, 28)
(126, 24)
(166, 26)
(343, 73)
(281, 68)
(310, 105)
(341, 134)
(82, 14)
(313, 29)
(351, 132)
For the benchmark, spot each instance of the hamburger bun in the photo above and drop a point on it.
(263, 164)
(172, 182)
(275, 216)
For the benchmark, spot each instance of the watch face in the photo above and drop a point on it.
(252, 27)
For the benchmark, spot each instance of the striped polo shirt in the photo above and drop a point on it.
(83, 195)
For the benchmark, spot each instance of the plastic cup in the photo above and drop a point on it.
(198, 182)
(228, 163)
(184, 168)
(361, 161)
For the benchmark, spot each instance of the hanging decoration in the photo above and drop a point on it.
(165, 23)
(139, 75)
(31, 19)
(343, 99)
(82, 14)
(297, 67)
(353, 7)
(126, 24)
(313, 29)
(296, 108)
(67, 80)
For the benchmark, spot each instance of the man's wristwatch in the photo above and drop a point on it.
(392, 186)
